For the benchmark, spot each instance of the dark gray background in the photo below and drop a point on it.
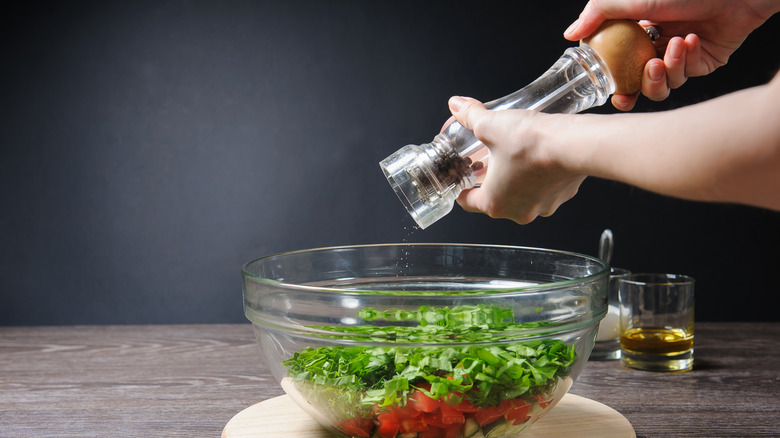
(150, 148)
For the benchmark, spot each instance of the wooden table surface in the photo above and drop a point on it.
(189, 380)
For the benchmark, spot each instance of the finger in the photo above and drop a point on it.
(654, 82)
(469, 200)
(674, 60)
(624, 102)
(466, 110)
(483, 200)
(589, 20)
(597, 11)
(694, 66)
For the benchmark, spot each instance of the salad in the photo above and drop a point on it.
(392, 389)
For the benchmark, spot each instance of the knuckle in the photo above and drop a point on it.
(525, 219)
(494, 210)
(549, 211)
(477, 123)
(657, 92)
(497, 211)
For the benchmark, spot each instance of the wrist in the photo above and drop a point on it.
(568, 137)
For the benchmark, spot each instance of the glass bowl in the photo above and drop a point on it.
(426, 340)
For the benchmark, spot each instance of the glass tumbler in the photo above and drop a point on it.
(656, 319)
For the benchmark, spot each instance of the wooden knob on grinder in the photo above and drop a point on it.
(625, 47)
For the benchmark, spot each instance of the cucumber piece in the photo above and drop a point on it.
(471, 429)
(495, 429)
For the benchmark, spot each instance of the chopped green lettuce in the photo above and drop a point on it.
(483, 374)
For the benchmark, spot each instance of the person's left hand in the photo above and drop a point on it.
(523, 180)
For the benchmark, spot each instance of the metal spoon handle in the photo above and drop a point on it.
(606, 244)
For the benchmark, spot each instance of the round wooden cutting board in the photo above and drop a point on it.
(573, 416)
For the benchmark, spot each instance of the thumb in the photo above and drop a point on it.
(466, 110)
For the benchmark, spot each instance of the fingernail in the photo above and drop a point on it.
(456, 103)
(572, 27)
(656, 72)
(622, 103)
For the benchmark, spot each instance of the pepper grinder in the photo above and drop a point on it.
(429, 177)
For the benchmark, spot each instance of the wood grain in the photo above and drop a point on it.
(190, 380)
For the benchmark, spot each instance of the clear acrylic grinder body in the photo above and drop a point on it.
(429, 177)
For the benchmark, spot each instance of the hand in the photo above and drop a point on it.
(697, 36)
(523, 181)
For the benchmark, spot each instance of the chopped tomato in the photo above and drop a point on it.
(444, 416)
(434, 419)
(387, 424)
(452, 431)
(410, 420)
(421, 402)
(450, 415)
(490, 414)
(542, 400)
(357, 426)
(430, 418)
(465, 406)
(413, 425)
(519, 413)
(432, 432)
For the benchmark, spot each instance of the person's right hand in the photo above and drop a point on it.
(696, 36)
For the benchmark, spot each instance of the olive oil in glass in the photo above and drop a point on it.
(656, 319)
(657, 349)
(663, 341)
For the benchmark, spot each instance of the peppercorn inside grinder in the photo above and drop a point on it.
(429, 177)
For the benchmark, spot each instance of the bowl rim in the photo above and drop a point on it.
(603, 272)
(657, 279)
